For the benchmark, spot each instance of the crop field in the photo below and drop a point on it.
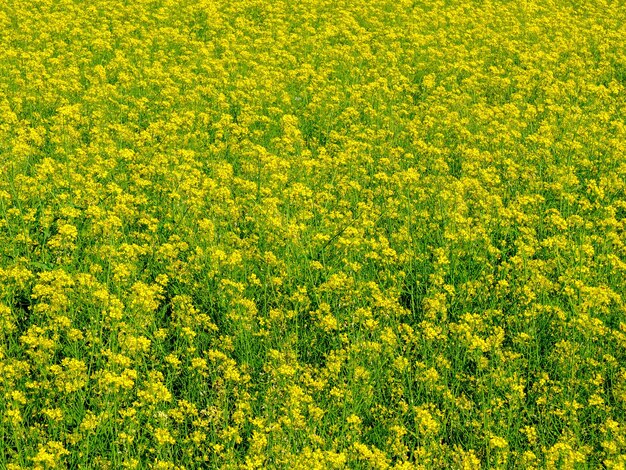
(313, 234)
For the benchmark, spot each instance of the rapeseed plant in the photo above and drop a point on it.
(321, 234)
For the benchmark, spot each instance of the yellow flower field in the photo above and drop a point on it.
(366, 234)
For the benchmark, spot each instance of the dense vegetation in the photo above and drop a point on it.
(312, 234)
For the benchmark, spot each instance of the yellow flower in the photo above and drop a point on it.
(163, 437)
